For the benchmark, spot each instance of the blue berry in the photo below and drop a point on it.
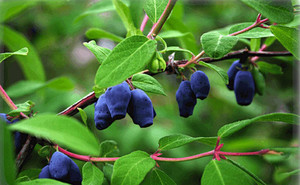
(59, 166)
(200, 84)
(232, 73)
(45, 174)
(102, 116)
(140, 108)
(186, 99)
(244, 87)
(117, 100)
(74, 174)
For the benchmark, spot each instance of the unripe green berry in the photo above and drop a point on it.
(157, 65)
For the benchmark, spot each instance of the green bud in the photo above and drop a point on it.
(259, 79)
(157, 65)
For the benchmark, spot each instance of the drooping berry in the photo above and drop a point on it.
(186, 99)
(200, 84)
(140, 108)
(45, 174)
(234, 68)
(59, 166)
(117, 100)
(102, 115)
(244, 87)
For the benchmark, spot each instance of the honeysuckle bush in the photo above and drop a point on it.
(60, 56)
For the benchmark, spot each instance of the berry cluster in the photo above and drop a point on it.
(62, 168)
(19, 137)
(119, 100)
(189, 91)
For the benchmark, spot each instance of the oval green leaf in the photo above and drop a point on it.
(91, 175)
(219, 70)
(154, 9)
(147, 83)
(96, 33)
(158, 177)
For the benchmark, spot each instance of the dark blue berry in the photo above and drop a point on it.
(234, 68)
(186, 99)
(244, 87)
(45, 173)
(117, 100)
(200, 84)
(74, 174)
(59, 166)
(140, 108)
(102, 115)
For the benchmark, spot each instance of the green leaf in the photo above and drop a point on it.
(288, 37)
(255, 44)
(108, 148)
(60, 83)
(158, 177)
(9, 9)
(83, 115)
(129, 57)
(45, 151)
(97, 8)
(100, 52)
(147, 83)
(176, 48)
(96, 33)
(3, 56)
(154, 9)
(63, 130)
(219, 70)
(173, 34)
(32, 173)
(269, 68)
(281, 177)
(23, 107)
(269, 41)
(177, 140)
(108, 170)
(131, 169)
(22, 179)
(91, 175)
(43, 182)
(276, 11)
(257, 32)
(7, 161)
(231, 128)
(252, 175)
(224, 173)
(31, 64)
(216, 45)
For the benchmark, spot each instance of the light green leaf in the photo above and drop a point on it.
(63, 130)
(176, 48)
(108, 148)
(129, 57)
(7, 161)
(100, 52)
(61, 83)
(177, 140)
(83, 115)
(131, 169)
(276, 11)
(91, 175)
(173, 34)
(43, 182)
(219, 70)
(23, 107)
(257, 32)
(96, 33)
(3, 56)
(255, 44)
(288, 37)
(158, 177)
(295, 23)
(154, 9)
(31, 64)
(269, 68)
(147, 83)
(231, 128)
(216, 45)
(224, 173)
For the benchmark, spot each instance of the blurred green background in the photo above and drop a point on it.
(51, 28)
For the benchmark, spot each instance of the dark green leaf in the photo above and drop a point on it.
(269, 68)
(147, 83)
(109, 148)
(83, 115)
(3, 56)
(154, 9)
(23, 107)
(100, 52)
(276, 11)
(108, 170)
(96, 33)
(91, 175)
(231, 128)
(32, 173)
(176, 48)
(158, 177)
(31, 64)
(43, 182)
(129, 57)
(22, 179)
(257, 32)
(288, 37)
(131, 169)
(216, 45)
(7, 161)
(224, 173)
(217, 69)
(65, 131)
(173, 34)
(174, 141)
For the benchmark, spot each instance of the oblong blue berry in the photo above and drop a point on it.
(200, 84)
(140, 108)
(59, 166)
(234, 68)
(74, 174)
(186, 99)
(102, 116)
(244, 87)
(117, 100)
(45, 174)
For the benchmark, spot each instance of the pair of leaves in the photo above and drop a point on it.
(3, 56)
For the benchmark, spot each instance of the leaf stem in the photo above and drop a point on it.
(145, 20)
(7, 99)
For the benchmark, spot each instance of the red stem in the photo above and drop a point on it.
(249, 28)
(145, 20)
(261, 152)
(263, 47)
